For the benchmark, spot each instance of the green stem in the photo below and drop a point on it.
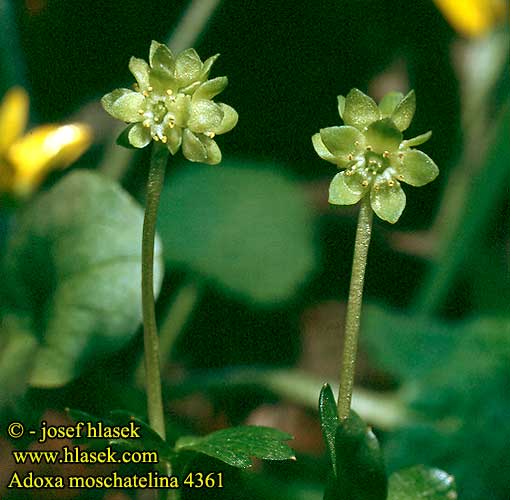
(352, 320)
(159, 160)
(185, 300)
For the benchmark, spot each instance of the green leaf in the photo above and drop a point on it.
(342, 141)
(211, 88)
(382, 136)
(245, 227)
(343, 190)
(73, 267)
(237, 445)
(328, 414)
(417, 169)
(404, 112)
(389, 102)
(360, 468)
(388, 202)
(421, 483)
(124, 104)
(360, 110)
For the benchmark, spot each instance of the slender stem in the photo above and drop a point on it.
(180, 311)
(352, 320)
(151, 342)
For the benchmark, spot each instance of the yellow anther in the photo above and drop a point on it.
(401, 155)
(376, 187)
(350, 157)
(374, 172)
(171, 124)
(348, 173)
(391, 183)
(156, 138)
(356, 143)
(164, 139)
(145, 93)
(400, 177)
(140, 111)
(150, 89)
(364, 183)
(372, 162)
(386, 154)
(169, 91)
(147, 123)
(369, 148)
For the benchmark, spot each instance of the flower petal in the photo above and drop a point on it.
(161, 58)
(344, 192)
(322, 150)
(404, 112)
(44, 149)
(13, 116)
(174, 137)
(124, 104)
(416, 141)
(417, 168)
(341, 105)
(388, 202)
(360, 110)
(213, 151)
(139, 136)
(229, 120)
(383, 135)
(389, 102)
(211, 88)
(342, 141)
(140, 70)
(192, 147)
(188, 67)
(205, 116)
(206, 69)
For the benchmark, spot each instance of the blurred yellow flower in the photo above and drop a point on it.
(25, 160)
(474, 17)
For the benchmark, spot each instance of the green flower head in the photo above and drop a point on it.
(172, 103)
(372, 153)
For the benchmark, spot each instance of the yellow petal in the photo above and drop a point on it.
(473, 17)
(13, 116)
(44, 149)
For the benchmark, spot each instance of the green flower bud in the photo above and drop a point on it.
(172, 103)
(370, 150)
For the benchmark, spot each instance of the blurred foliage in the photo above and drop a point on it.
(71, 277)
(246, 227)
(455, 379)
(256, 231)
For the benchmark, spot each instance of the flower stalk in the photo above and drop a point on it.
(155, 182)
(352, 320)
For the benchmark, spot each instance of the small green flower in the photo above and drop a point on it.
(172, 103)
(372, 153)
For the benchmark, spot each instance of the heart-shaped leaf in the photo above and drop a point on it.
(237, 445)
(246, 229)
(72, 267)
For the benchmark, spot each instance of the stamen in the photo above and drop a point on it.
(164, 139)
(141, 111)
(401, 155)
(369, 148)
(364, 183)
(386, 154)
(391, 183)
(147, 123)
(150, 89)
(169, 91)
(350, 157)
(156, 138)
(400, 177)
(145, 93)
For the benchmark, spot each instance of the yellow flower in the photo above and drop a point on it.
(473, 17)
(25, 160)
